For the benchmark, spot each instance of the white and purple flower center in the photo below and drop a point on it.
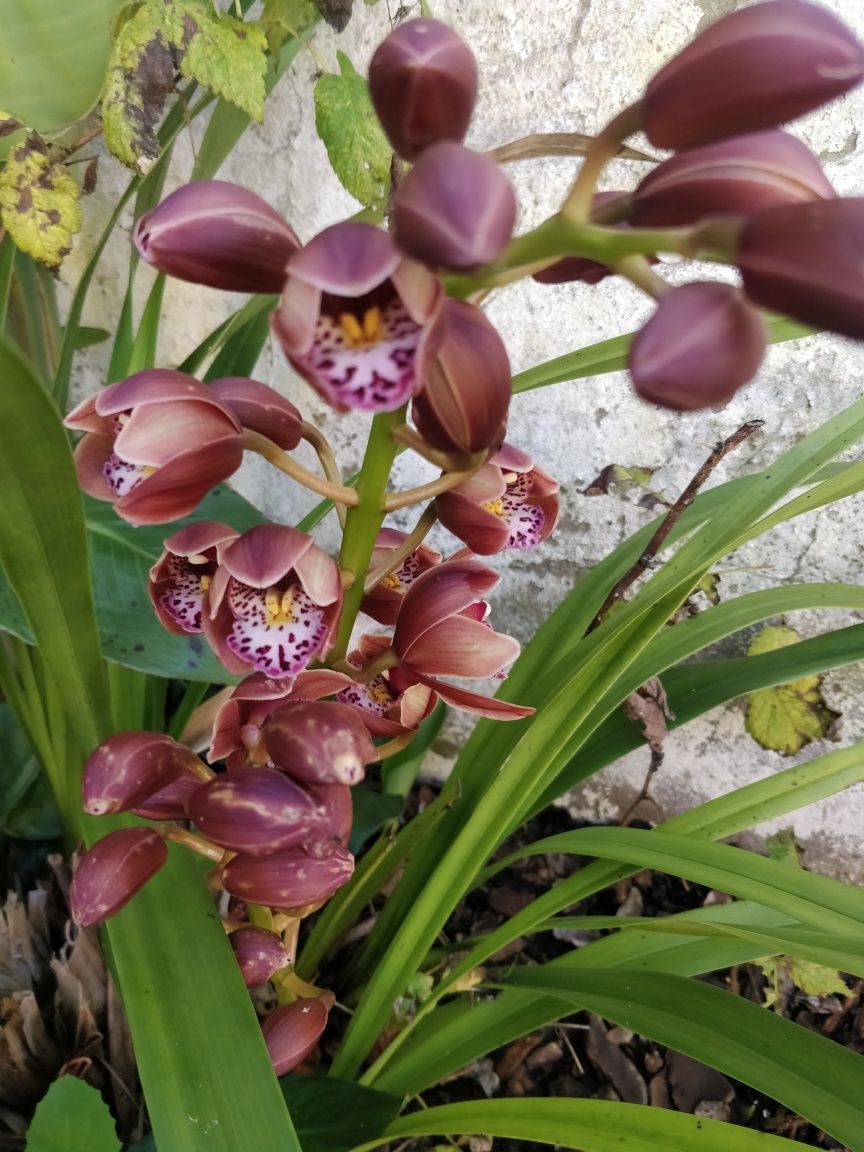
(367, 360)
(376, 697)
(184, 599)
(277, 630)
(524, 521)
(405, 575)
(123, 476)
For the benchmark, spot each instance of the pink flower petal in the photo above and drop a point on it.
(437, 594)
(91, 455)
(474, 702)
(155, 434)
(461, 647)
(176, 489)
(265, 554)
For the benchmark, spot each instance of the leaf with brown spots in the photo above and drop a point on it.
(789, 716)
(39, 202)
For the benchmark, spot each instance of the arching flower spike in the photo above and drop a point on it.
(355, 318)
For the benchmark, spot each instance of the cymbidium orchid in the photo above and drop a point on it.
(129, 767)
(154, 445)
(273, 603)
(180, 578)
(390, 703)
(110, 873)
(438, 633)
(219, 234)
(355, 317)
(292, 1031)
(382, 602)
(508, 503)
(261, 408)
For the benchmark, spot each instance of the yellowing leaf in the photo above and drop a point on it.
(39, 202)
(221, 52)
(783, 846)
(284, 18)
(812, 979)
(347, 124)
(789, 716)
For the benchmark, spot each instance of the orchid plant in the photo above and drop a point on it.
(220, 847)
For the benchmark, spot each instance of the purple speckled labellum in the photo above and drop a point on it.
(291, 879)
(756, 68)
(259, 954)
(257, 811)
(807, 261)
(456, 209)
(112, 871)
(128, 767)
(423, 83)
(292, 1031)
(736, 177)
(218, 234)
(465, 391)
(319, 742)
(701, 345)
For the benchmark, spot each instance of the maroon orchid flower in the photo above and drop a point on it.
(111, 872)
(180, 578)
(292, 1031)
(382, 603)
(274, 602)
(423, 83)
(261, 408)
(127, 768)
(355, 317)
(507, 503)
(219, 234)
(155, 445)
(442, 631)
(393, 701)
(259, 954)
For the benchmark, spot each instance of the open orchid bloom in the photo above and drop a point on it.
(507, 503)
(442, 631)
(356, 316)
(180, 578)
(390, 703)
(155, 445)
(382, 603)
(274, 602)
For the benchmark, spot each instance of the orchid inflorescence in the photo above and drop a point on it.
(379, 320)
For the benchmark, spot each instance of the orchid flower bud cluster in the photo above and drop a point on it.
(386, 321)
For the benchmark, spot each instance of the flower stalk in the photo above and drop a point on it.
(271, 452)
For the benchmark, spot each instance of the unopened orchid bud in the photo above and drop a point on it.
(259, 954)
(292, 1031)
(456, 209)
(807, 261)
(319, 742)
(289, 879)
(112, 871)
(755, 68)
(127, 768)
(218, 234)
(736, 177)
(465, 394)
(339, 806)
(701, 345)
(258, 811)
(172, 801)
(423, 83)
(261, 408)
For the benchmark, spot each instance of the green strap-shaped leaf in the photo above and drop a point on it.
(586, 1125)
(809, 1074)
(69, 1110)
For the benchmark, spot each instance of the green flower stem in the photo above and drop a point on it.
(364, 520)
(557, 237)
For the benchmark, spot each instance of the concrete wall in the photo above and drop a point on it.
(568, 65)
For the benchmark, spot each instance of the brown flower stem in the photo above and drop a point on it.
(396, 558)
(190, 840)
(326, 458)
(541, 144)
(646, 560)
(387, 659)
(447, 461)
(638, 271)
(429, 491)
(605, 146)
(271, 452)
(396, 744)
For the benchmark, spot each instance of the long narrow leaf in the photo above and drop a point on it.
(809, 1074)
(586, 1125)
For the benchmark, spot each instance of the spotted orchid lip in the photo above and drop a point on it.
(183, 600)
(278, 639)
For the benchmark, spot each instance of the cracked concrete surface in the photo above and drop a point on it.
(559, 66)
